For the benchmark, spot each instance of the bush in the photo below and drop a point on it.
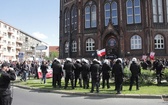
(146, 77)
(165, 75)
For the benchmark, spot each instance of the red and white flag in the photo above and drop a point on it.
(101, 52)
(152, 55)
(144, 57)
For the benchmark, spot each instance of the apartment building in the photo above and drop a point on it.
(16, 44)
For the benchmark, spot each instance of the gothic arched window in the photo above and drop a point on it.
(74, 18)
(159, 42)
(133, 11)
(90, 44)
(111, 12)
(136, 42)
(90, 15)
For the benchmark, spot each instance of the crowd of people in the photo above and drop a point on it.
(82, 70)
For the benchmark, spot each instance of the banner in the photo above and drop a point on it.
(101, 53)
(144, 57)
(152, 55)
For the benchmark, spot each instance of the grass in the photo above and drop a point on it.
(152, 89)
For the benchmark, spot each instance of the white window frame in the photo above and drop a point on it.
(158, 42)
(157, 6)
(74, 18)
(90, 44)
(167, 9)
(112, 10)
(154, 6)
(139, 6)
(65, 22)
(107, 10)
(66, 47)
(136, 42)
(127, 12)
(93, 16)
(74, 46)
(160, 11)
(87, 13)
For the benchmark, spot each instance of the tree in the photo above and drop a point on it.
(52, 55)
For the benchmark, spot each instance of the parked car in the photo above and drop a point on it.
(48, 75)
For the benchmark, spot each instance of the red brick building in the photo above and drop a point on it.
(53, 48)
(123, 27)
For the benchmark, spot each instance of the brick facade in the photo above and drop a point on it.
(121, 33)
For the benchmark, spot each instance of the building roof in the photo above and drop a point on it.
(53, 48)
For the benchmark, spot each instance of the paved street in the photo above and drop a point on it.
(30, 97)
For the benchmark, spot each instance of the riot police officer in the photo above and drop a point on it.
(106, 73)
(85, 73)
(77, 72)
(6, 75)
(69, 71)
(135, 72)
(118, 73)
(159, 68)
(57, 73)
(95, 75)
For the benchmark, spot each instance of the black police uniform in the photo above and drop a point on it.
(117, 71)
(159, 68)
(69, 71)
(5, 92)
(57, 73)
(77, 72)
(135, 71)
(95, 75)
(85, 75)
(106, 74)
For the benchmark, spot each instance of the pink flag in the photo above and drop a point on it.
(144, 57)
(101, 52)
(152, 55)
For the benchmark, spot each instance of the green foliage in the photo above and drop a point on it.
(52, 56)
(147, 77)
(165, 74)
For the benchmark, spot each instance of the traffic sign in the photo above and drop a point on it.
(21, 55)
(43, 47)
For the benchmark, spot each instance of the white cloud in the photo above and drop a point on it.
(39, 35)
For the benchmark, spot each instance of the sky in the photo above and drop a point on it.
(38, 18)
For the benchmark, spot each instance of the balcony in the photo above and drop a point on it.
(1, 43)
(1, 51)
(1, 35)
(19, 41)
(9, 45)
(10, 32)
(18, 47)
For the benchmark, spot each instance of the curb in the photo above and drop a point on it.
(93, 94)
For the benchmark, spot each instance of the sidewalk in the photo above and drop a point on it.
(93, 94)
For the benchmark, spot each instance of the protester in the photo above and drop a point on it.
(44, 71)
(6, 75)
(25, 70)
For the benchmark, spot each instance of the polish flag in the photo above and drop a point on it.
(101, 52)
